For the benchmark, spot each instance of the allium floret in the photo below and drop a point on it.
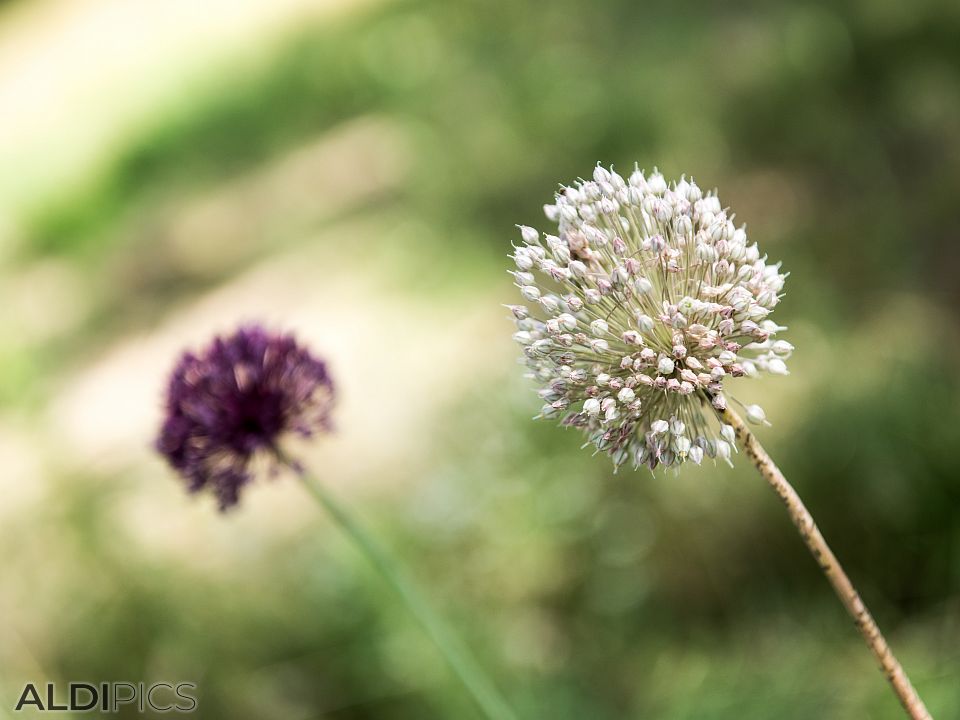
(638, 310)
(233, 401)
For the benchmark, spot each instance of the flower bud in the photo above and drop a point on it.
(523, 259)
(591, 407)
(644, 322)
(642, 286)
(776, 366)
(550, 303)
(599, 327)
(756, 415)
(723, 451)
(696, 454)
(782, 347)
(530, 292)
(728, 433)
(656, 183)
(665, 366)
(529, 235)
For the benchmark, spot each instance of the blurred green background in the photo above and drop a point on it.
(353, 171)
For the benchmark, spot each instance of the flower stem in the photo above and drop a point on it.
(485, 694)
(830, 565)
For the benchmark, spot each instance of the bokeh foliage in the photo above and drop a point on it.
(829, 127)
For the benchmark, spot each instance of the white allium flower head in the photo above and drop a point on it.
(645, 301)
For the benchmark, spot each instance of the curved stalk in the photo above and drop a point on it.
(486, 695)
(830, 565)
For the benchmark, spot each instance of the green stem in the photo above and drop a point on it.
(458, 658)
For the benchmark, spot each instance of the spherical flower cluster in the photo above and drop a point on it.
(636, 312)
(234, 401)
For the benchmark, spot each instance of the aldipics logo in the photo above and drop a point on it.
(111, 697)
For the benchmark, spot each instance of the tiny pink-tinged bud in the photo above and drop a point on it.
(673, 385)
(688, 375)
(719, 402)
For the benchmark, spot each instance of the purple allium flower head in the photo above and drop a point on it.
(234, 400)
